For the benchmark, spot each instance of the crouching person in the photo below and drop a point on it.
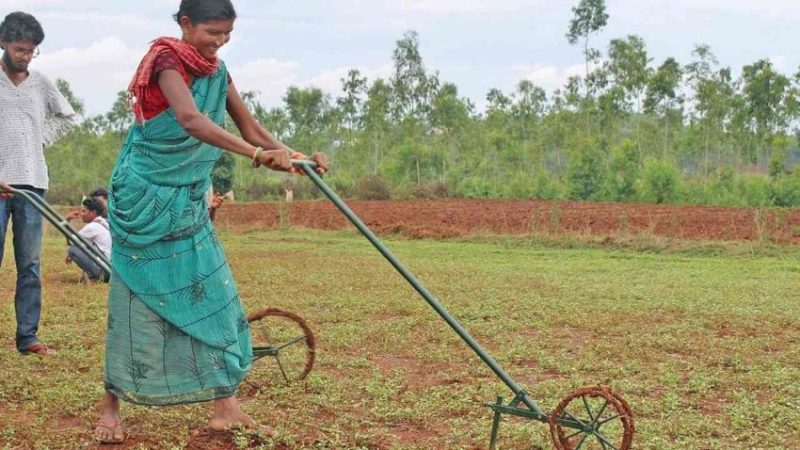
(96, 233)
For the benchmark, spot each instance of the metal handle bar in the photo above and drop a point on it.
(52, 216)
(308, 167)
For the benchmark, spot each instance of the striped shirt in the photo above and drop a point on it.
(34, 115)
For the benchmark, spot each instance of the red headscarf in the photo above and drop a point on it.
(142, 83)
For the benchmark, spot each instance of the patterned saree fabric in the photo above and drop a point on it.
(177, 332)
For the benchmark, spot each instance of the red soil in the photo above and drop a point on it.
(459, 217)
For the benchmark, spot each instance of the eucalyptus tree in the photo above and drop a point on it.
(589, 17)
(627, 67)
(714, 95)
(308, 110)
(354, 87)
(528, 107)
(664, 97)
(766, 93)
(377, 123)
(412, 86)
(66, 90)
(450, 118)
(120, 117)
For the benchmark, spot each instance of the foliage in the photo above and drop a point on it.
(708, 133)
(659, 181)
(373, 188)
(585, 174)
(222, 175)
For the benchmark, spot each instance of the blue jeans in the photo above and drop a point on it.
(92, 270)
(27, 228)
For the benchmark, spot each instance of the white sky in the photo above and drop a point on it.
(476, 44)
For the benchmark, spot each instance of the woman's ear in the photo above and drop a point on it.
(185, 24)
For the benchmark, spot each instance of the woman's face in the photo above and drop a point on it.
(207, 37)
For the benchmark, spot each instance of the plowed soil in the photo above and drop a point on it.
(458, 217)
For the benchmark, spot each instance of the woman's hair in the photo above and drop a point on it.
(202, 11)
(93, 205)
(20, 26)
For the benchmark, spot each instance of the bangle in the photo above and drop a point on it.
(257, 156)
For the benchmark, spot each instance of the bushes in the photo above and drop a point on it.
(373, 187)
(585, 175)
(623, 172)
(785, 190)
(430, 190)
(659, 181)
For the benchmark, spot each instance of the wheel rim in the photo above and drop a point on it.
(287, 340)
(592, 418)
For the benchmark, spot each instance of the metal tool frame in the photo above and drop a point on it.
(521, 405)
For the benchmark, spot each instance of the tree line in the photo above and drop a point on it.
(628, 129)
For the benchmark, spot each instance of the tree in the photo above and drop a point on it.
(411, 85)
(585, 172)
(589, 17)
(307, 110)
(627, 67)
(663, 96)
(623, 172)
(450, 115)
(765, 92)
(377, 122)
(713, 97)
(120, 117)
(77, 104)
(354, 87)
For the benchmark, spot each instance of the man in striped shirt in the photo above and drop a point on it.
(34, 115)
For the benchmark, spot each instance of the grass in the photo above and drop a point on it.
(703, 344)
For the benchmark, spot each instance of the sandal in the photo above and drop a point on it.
(39, 349)
(117, 434)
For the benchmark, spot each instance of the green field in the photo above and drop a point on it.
(705, 349)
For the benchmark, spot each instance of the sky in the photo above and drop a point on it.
(475, 44)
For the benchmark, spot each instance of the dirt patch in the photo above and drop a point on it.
(459, 217)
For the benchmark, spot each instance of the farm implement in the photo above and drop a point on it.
(278, 334)
(588, 418)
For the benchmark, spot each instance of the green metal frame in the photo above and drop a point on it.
(64, 227)
(531, 410)
(271, 350)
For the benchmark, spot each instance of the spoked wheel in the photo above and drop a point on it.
(592, 418)
(287, 340)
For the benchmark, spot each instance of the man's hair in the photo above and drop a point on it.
(99, 192)
(202, 11)
(20, 26)
(93, 205)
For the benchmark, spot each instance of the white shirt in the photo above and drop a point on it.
(32, 115)
(97, 233)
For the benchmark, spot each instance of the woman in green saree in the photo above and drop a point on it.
(177, 332)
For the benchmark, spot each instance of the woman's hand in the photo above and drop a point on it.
(276, 160)
(322, 162)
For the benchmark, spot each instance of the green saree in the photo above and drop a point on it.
(177, 332)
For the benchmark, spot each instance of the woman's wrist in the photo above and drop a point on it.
(257, 157)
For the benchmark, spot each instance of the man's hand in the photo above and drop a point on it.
(216, 201)
(5, 191)
(67, 260)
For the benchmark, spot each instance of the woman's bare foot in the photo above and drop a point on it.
(229, 416)
(109, 426)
